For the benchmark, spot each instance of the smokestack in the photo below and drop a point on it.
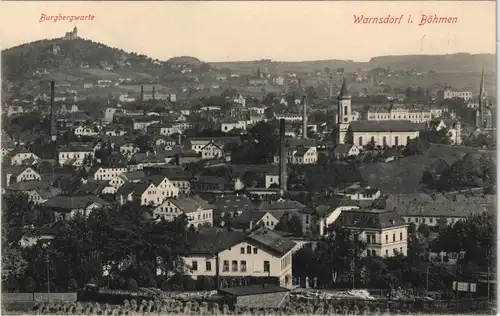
(331, 87)
(283, 174)
(53, 135)
(153, 92)
(142, 94)
(304, 119)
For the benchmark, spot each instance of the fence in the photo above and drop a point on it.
(38, 297)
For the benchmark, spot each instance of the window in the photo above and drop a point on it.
(407, 139)
(242, 250)
(345, 110)
(208, 265)
(254, 250)
(387, 253)
(194, 265)
(234, 266)
(400, 236)
(225, 266)
(393, 237)
(267, 267)
(431, 220)
(396, 141)
(249, 249)
(243, 266)
(374, 253)
(386, 238)
(372, 140)
(360, 141)
(401, 249)
(384, 141)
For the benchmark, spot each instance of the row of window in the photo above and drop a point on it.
(249, 250)
(225, 266)
(420, 220)
(384, 140)
(371, 238)
(373, 252)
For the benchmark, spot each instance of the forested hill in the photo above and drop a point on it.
(455, 63)
(24, 59)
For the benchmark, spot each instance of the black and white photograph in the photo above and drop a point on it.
(248, 158)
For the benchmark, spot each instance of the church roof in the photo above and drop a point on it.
(385, 126)
(344, 91)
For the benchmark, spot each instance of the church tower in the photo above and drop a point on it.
(344, 116)
(484, 119)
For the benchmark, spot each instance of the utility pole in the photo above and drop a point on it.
(427, 282)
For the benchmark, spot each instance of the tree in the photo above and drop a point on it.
(13, 263)
(339, 252)
(290, 225)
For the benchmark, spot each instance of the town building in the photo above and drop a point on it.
(384, 231)
(198, 212)
(260, 254)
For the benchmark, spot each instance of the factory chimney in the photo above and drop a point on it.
(142, 94)
(153, 92)
(304, 119)
(53, 132)
(282, 155)
(331, 87)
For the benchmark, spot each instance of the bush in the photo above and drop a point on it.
(72, 284)
(164, 285)
(132, 285)
(152, 283)
(29, 284)
(12, 284)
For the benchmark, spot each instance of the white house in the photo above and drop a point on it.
(22, 156)
(18, 173)
(76, 156)
(262, 254)
(199, 213)
(86, 131)
(211, 151)
(107, 173)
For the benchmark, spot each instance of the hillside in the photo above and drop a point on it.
(454, 63)
(63, 59)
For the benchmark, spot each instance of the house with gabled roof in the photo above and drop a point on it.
(211, 151)
(199, 213)
(65, 207)
(318, 218)
(18, 173)
(260, 254)
(22, 156)
(37, 191)
(145, 193)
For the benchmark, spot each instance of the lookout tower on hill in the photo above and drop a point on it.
(71, 35)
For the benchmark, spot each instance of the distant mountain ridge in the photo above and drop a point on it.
(68, 56)
(451, 63)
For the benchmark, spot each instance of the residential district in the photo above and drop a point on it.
(295, 201)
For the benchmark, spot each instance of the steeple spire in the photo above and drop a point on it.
(481, 88)
(344, 91)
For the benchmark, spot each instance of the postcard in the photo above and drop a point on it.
(267, 157)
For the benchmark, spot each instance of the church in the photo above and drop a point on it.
(484, 118)
(374, 132)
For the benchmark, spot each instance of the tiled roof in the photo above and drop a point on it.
(281, 205)
(272, 241)
(191, 204)
(422, 204)
(374, 218)
(212, 240)
(73, 202)
(385, 126)
(232, 203)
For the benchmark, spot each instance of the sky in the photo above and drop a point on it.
(237, 31)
